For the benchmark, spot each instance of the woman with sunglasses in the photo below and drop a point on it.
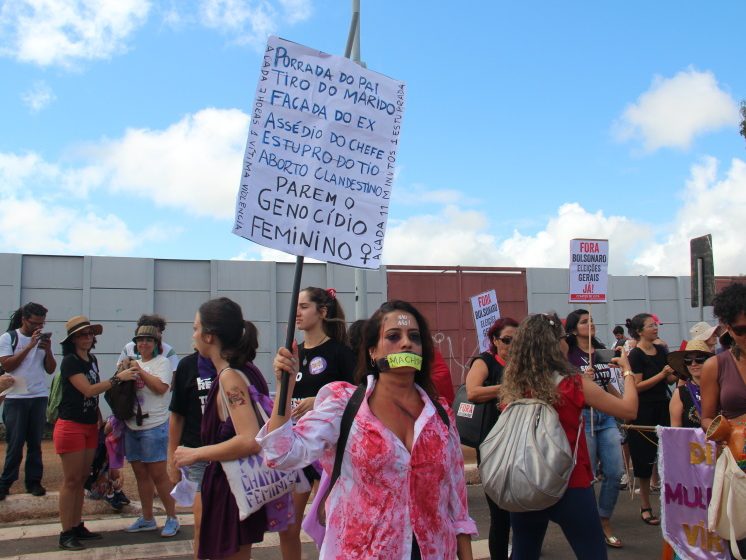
(723, 385)
(686, 403)
(76, 430)
(601, 431)
(652, 376)
(483, 386)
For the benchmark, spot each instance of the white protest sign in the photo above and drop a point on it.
(589, 268)
(320, 156)
(486, 311)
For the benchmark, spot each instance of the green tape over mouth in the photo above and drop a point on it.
(404, 359)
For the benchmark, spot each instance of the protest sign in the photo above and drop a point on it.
(686, 463)
(320, 156)
(486, 311)
(589, 266)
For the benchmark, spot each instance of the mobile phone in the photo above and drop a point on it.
(603, 355)
(45, 335)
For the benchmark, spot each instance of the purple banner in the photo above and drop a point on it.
(686, 463)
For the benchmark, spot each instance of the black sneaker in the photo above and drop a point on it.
(124, 500)
(36, 489)
(3, 493)
(68, 541)
(84, 534)
(114, 502)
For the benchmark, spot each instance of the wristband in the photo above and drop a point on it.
(114, 380)
(627, 373)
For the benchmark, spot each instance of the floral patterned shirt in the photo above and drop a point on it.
(384, 494)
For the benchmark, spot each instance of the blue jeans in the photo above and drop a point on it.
(605, 445)
(577, 516)
(24, 421)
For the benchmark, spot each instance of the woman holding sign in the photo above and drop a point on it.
(324, 357)
(397, 472)
(601, 431)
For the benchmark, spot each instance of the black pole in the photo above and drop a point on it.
(285, 378)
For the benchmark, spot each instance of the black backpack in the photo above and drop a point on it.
(13, 344)
(475, 420)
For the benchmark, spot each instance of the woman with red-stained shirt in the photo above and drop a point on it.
(538, 368)
(401, 492)
(483, 386)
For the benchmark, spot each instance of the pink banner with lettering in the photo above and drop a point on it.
(686, 463)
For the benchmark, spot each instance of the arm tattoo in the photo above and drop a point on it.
(236, 397)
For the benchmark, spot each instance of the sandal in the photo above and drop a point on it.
(613, 541)
(650, 519)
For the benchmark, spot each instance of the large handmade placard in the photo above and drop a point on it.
(589, 267)
(686, 463)
(319, 163)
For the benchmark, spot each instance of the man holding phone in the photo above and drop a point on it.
(26, 354)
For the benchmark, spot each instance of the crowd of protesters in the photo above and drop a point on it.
(367, 423)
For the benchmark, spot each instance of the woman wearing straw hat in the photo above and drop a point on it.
(146, 434)
(76, 430)
(686, 403)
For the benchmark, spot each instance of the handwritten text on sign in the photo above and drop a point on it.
(589, 267)
(486, 311)
(320, 157)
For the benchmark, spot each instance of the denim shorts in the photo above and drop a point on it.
(196, 471)
(148, 446)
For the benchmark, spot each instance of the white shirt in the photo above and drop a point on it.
(151, 403)
(31, 369)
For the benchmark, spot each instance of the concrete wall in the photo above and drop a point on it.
(666, 296)
(115, 291)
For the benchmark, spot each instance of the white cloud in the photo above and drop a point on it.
(461, 237)
(194, 164)
(250, 22)
(62, 32)
(711, 204)
(675, 110)
(34, 226)
(30, 172)
(38, 97)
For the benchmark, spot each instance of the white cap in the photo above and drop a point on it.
(702, 331)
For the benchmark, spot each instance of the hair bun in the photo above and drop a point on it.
(332, 293)
(628, 323)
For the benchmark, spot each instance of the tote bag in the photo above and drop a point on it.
(726, 514)
(252, 483)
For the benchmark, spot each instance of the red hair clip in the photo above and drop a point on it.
(332, 293)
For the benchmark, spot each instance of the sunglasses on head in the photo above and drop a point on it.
(738, 330)
(696, 360)
(506, 339)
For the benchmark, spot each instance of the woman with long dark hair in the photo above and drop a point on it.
(601, 430)
(652, 376)
(222, 335)
(483, 384)
(401, 492)
(539, 368)
(76, 429)
(324, 357)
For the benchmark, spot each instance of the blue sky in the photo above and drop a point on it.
(527, 124)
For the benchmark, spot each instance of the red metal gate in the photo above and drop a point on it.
(442, 295)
